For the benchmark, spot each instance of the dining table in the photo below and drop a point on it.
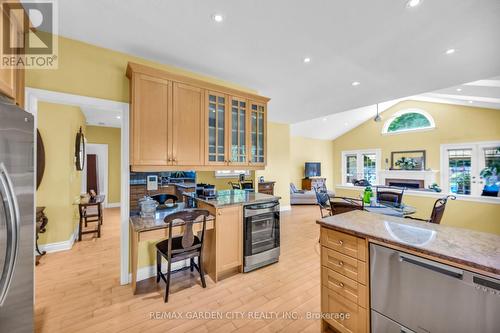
(385, 209)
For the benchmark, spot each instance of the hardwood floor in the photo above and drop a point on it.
(79, 290)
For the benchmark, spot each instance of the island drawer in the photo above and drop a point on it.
(347, 244)
(344, 265)
(342, 314)
(350, 289)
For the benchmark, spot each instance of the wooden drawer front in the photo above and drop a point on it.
(333, 306)
(345, 265)
(344, 286)
(344, 243)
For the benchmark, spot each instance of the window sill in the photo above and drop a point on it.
(492, 200)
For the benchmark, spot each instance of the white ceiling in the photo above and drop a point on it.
(481, 93)
(394, 51)
(101, 117)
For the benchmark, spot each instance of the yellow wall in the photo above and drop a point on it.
(112, 137)
(454, 124)
(278, 160)
(310, 150)
(61, 185)
(89, 70)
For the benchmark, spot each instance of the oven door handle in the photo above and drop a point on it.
(267, 207)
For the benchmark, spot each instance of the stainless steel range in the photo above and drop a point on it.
(261, 235)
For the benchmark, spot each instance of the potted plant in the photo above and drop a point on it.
(491, 180)
(406, 163)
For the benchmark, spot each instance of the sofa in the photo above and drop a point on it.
(301, 197)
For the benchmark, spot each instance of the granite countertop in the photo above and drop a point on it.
(139, 223)
(182, 185)
(471, 248)
(235, 197)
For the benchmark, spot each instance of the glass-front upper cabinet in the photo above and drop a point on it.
(257, 133)
(217, 115)
(238, 145)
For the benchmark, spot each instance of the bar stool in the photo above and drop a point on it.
(187, 246)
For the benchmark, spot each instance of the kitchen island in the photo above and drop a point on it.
(223, 247)
(380, 269)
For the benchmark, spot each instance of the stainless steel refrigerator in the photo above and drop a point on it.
(17, 186)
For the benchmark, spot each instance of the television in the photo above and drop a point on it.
(312, 169)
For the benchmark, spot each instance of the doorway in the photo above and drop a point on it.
(34, 96)
(96, 171)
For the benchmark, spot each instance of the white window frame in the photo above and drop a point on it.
(230, 173)
(359, 161)
(477, 164)
(385, 129)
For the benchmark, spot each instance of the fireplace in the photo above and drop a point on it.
(406, 183)
(411, 179)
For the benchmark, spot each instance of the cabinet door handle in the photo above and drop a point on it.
(341, 263)
(341, 242)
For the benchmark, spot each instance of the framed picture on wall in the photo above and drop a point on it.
(408, 160)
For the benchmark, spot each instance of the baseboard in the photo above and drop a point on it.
(60, 246)
(150, 271)
(285, 208)
(113, 205)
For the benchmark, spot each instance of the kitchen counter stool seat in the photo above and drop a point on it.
(187, 246)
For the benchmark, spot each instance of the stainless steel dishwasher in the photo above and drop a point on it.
(412, 294)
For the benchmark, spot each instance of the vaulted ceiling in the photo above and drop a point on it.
(392, 50)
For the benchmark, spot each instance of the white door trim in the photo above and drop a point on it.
(101, 150)
(33, 96)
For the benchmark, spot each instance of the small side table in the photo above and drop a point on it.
(41, 224)
(90, 211)
(266, 187)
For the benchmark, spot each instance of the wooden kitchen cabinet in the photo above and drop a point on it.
(12, 79)
(229, 231)
(217, 129)
(187, 125)
(238, 132)
(258, 134)
(183, 123)
(151, 105)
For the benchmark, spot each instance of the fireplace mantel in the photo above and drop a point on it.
(428, 176)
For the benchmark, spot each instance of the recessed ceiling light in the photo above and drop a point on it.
(470, 102)
(355, 83)
(413, 3)
(118, 117)
(324, 119)
(345, 124)
(459, 89)
(218, 18)
(307, 60)
(450, 51)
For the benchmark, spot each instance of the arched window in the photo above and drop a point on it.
(408, 120)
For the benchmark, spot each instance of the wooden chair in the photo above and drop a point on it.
(390, 195)
(437, 210)
(187, 246)
(234, 186)
(90, 212)
(323, 201)
(340, 205)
